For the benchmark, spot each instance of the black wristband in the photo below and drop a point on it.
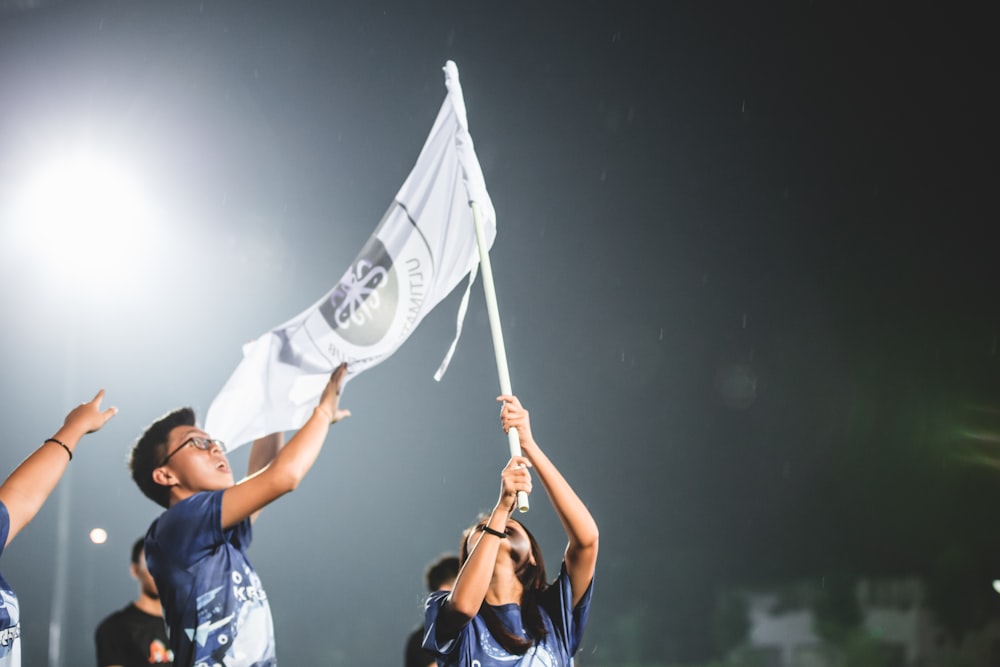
(487, 529)
(63, 445)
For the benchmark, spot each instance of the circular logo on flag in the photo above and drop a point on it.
(380, 298)
(362, 306)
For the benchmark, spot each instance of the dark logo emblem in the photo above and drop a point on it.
(362, 305)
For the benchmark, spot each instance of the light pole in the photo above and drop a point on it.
(86, 217)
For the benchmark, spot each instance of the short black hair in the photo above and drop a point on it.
(441, 571)
(149, 450)
(137, 549)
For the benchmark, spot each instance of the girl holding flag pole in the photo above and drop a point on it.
(501, 605)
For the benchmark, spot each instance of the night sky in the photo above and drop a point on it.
(745, 263)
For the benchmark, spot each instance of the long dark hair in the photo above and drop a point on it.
(534, 581)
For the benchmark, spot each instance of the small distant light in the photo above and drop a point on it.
(98, 536)
(996, 585)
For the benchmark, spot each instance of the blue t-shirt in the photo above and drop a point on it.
(10, 618)
(474, 645)
(215, 608)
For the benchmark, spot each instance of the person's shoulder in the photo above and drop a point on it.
(197, 503)
(198, 499)
(186, 533)
(436, 597)
(116, 617)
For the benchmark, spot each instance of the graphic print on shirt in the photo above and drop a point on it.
(159, 653)
(217, 625)
(538, 655)
(10, 623)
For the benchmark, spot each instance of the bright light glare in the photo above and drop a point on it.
(996, 585)
(98, 536)
(84, 217)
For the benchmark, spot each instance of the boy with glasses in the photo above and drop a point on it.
(215, 608)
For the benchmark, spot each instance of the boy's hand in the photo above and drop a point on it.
(88, 417)
(329, 402)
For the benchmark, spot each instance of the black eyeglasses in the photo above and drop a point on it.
(203, 444)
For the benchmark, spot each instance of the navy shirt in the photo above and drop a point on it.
(10, 618)
(215, 608)
(475, 645)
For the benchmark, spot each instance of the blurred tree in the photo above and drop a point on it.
(836, 613)
(731, 623)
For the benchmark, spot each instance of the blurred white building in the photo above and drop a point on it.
(903, 633)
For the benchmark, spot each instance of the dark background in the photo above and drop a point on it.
(746, 267)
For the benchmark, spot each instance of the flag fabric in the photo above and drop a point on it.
(422, 248)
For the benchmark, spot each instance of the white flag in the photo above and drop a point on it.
(424, 245)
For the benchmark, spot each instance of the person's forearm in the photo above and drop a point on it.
(580, 527)
(263, 451)
(26, 489)
(473, 580)
(280, 476)
(295, 459)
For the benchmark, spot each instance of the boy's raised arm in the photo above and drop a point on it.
(290, 463)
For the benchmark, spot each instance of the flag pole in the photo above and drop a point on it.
(498, 348)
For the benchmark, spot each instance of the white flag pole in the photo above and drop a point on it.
(498, 348)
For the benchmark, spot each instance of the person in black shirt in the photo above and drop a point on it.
(136, 635)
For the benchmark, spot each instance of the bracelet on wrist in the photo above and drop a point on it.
(490, 531)
(61, 444)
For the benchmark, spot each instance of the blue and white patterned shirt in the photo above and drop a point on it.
(10, 617)
(474, 645)
(215, 608)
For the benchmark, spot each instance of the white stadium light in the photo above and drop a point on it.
(83, 216)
